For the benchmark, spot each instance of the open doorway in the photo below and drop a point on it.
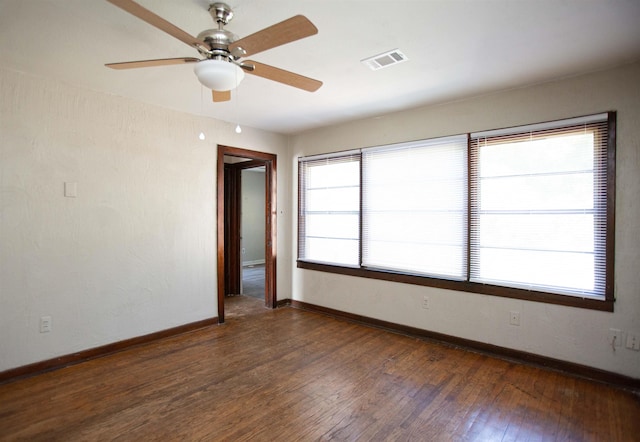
(232, 164)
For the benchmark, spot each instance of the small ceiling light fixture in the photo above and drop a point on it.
(201, 137)
(219, 75)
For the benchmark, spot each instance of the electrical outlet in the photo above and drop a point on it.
(514, 318)
(633, 342)
(425, 303)
(615, 337)
(45, 324)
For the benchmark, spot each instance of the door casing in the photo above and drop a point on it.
(224, 272)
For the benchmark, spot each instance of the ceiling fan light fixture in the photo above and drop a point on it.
(219, 75)
(221, 71)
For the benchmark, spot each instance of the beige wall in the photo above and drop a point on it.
(566, 333)
(135, 251)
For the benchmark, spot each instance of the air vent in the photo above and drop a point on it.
(384, 60)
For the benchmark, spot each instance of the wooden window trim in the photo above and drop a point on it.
(462, 286)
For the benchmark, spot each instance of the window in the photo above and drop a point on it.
(523, 212)
(540, 207)
(330, 209)
(414, 207)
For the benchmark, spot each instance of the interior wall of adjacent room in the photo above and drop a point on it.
(571, 334)
(253, 216)
(135, 251)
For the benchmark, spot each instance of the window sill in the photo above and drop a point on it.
(464, 286)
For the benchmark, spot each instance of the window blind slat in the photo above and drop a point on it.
(557, 125)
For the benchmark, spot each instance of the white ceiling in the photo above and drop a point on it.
(456, 49)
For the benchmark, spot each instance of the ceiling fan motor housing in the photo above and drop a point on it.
(219, 41)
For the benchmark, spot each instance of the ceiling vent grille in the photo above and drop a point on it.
(384, 60)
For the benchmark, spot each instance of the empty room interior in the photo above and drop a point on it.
(320, 220)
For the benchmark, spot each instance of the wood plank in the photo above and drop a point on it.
(91, 353)
(492, 350)
(289, 374)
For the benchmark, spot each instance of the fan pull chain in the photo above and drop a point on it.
(238, 128)
(201, 136)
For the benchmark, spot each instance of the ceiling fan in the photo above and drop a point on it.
(221, 69)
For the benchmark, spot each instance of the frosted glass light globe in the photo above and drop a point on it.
(219, 75)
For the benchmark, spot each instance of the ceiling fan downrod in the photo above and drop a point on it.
(220, 39)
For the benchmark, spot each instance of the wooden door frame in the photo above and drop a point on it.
(270, 163)
(232, 225)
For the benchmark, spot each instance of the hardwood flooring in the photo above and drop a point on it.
(253, 279)
(239, 306)
(292, 375)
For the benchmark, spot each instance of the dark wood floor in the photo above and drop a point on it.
(289, 375)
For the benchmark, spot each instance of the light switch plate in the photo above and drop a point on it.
(45, 324)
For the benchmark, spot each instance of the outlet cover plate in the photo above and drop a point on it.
(45, 324)
(633, 342)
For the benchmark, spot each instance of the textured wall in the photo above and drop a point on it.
(135, 251)
(571, 334)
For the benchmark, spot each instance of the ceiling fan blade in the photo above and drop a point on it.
(151, 63)
(282, 76)
(281, 33)
(144, 14)
(219, 96)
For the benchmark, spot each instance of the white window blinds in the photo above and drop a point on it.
(329, 209)
(414, 208)
(538, 208)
